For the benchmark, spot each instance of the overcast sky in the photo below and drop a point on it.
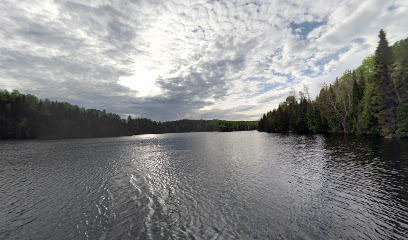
(170, 59)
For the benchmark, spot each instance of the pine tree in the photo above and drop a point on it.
(400, 80)
(355, 98)
(385, 110)
(369, 121)
(402, 118)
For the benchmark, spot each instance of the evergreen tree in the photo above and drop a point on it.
(384, 99)
(369, 121)
(353, 113)
(400, 80)
(371, 100)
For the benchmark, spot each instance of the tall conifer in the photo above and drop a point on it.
(385, 106)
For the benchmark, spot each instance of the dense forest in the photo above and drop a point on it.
(372, 99)
(25, 116)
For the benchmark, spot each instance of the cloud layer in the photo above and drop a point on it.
(169, 60)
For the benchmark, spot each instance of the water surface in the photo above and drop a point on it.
(239, 185)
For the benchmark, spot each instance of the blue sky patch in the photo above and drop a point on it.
(358, 40)
(304, 28)
(334, 56)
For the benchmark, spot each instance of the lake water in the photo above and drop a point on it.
(238, 185)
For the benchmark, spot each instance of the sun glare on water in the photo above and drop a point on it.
(143, 81)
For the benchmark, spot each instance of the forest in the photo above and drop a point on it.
(372, 99)
(26, 116)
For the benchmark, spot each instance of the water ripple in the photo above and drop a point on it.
(243, 185)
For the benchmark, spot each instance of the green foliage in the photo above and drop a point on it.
(402, 118)
(291, 116)
(369, 121)
(352, 115)
(383, 53)
(385, 99)
(400, 80)
(367, 68)
(316, 123)
(229, 126)
(373, 99)
(24, 116)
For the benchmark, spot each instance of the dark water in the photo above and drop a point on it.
(240, 185)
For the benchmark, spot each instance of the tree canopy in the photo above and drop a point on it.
(25, 116)
(373, 99)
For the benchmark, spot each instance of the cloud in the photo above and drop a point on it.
(173, 59)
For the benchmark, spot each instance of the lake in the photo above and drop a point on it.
(237, 185)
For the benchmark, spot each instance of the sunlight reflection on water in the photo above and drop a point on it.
(205, 185)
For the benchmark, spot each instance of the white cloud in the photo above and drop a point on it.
(175, 59)
(143, 80)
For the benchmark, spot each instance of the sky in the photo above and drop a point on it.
(169, 60)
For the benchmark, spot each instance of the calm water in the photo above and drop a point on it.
(240, 185)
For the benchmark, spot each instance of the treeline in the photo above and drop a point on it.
(372, 99)
(145, 126)
(25, 116)
(230, 126)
